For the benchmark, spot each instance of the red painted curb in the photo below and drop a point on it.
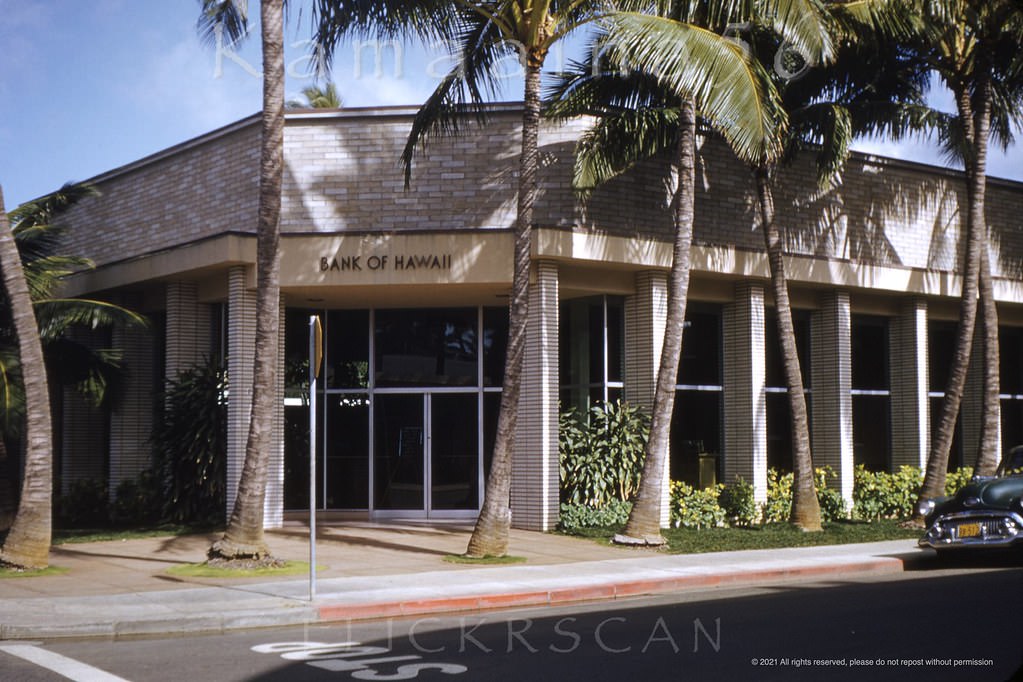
(599, 592)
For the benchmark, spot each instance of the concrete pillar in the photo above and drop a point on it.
(241, 349)
(831, 370)
(909, 384)
(131, 422)
(188, 328)
(535, 475)
(645, 314)
(745, 403)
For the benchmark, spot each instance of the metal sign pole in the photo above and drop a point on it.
(315, 356)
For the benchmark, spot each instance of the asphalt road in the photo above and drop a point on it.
(958, 622)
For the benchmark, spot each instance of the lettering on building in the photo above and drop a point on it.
(404, 262)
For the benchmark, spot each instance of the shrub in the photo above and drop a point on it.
(738, 503)
(692, 508)
(778, 507)
(955, 480)
(601, 457)
(139, 501)
(575, 516)
(884, 495)
(190, 445)
(85, 505)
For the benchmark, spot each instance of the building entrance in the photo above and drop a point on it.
(426, 452)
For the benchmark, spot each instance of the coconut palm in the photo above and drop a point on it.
(482, 33)
(318, 98)
(36, 233)
(698, 71)
(974, 49)
(28, 542)
(244, 536)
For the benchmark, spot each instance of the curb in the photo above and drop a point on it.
(592, 593)
(312, 614)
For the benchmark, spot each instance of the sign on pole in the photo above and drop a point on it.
(315, 359)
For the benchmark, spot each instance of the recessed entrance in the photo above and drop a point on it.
(426, 452)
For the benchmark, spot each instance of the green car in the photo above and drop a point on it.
(988, 512)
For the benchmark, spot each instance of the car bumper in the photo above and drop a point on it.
(982, 528)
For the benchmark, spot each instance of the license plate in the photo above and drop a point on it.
(969, 530)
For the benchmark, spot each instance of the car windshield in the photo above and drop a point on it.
(1012, 465)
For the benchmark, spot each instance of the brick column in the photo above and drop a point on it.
(909, 382)
(535, 474)
(241, 349)
(744, 396)
(273, 503)
(188, 328)
(131, 422)
(832, 432)
(645, 314)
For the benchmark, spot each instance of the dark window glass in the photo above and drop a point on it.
(941, 343)
(700, 364)
(454, 451)
(296, 457)
(774, 367)
(955, 455)
(347, 349)
(296, 351)
(871, 431)
(615, 338)
(695, 435)
(347, 456)
(869, 353)
(426, 347)
(1010, 356)
(495, 345)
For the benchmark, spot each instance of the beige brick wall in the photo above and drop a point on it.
(342, 173)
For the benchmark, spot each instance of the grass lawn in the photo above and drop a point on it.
(773, 536)
(72, 536)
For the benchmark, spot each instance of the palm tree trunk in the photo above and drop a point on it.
(490, 535)
(244, 535)
(644, 525)
(28, 542)
(806, 511)
(989, 449)
(976, 125)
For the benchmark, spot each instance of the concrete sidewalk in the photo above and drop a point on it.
(119, 589)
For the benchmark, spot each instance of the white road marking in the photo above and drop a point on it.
(62, 665)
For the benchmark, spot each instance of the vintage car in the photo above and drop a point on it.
(987, 512)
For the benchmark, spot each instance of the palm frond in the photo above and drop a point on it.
(222, 19)
(57, 316)
(731, 92)
(617, 142)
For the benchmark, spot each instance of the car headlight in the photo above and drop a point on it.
(925, 507)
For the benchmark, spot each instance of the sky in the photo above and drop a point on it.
(88, 86)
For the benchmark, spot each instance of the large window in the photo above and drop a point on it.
(779, 427)
(1010, 342)
(696, 421)
(871, 393)
(591, 336)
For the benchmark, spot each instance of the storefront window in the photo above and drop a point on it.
(779, 422)
(871, 395)
(696, 420)
(591, 338)
(435, 347)
(1010, 343)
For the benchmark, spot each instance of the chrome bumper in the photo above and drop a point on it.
(981, 528)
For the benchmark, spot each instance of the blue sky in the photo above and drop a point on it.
(86, 87)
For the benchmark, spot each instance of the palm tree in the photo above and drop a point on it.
(28, 542)
(868, 89)
(37, 235)
(244, 536)
(318, 98)
(974, 49)
(704, 73)
(483, 32)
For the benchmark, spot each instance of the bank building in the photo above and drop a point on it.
(412, 287)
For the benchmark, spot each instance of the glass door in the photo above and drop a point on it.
(454, 451)
(399, 452)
